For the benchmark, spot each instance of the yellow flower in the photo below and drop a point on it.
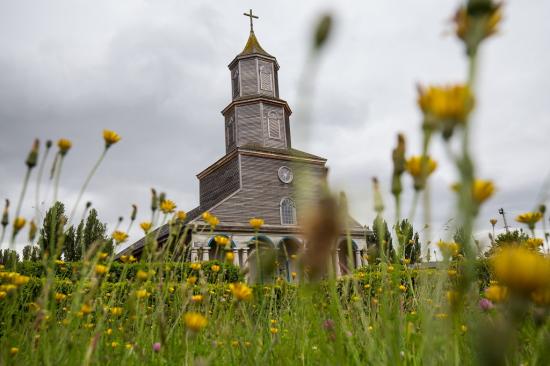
(195, 321)
(103, 255)
(20, 280)
(140, 294)
(496, 293)
(213, 221)
(493, 222)
(529, 218)
(221, 240)
(215, 268)
(120, 236)
(293, 275)
(3, 295)
(64, 146)
(445, 106)
(142, 275)
(114, 344)
(256, 223)
(402, 288)
(274, 330)
(414, 165)
(14, 351)
(196, 298)
(167, 206)
(85, 309)
(241, 291)
(116, 311)
(420, 168)
(100, 269)
(229, 256)
(448, 249)
(145, 226)
(195, 266)
(110, 137)
(18, 223)
(521, 269)
(191, 280)
(482, 190)
(181, 215)
(534, 243)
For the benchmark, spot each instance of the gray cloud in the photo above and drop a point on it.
(156, 73)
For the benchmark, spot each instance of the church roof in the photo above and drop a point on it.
(287, 152)
(253, 47)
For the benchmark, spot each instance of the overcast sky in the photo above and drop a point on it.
(156, 72)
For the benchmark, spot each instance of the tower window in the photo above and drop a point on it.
(235, 82)
(273, 125)
(230, 131)
(288, 212)
(266, 82)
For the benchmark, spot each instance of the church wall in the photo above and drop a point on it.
(220, 183)
(249, 129)
(262, 191)
(249, 77)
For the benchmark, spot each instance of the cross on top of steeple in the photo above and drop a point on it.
(251, 16)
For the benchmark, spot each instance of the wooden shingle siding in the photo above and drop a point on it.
(230, 131)
(249, 77)
(220, 183)
(249, 124)
(262, 191)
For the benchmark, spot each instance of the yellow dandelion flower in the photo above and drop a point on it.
(221, 240)
(142, 275)
(213, 221)
(145, 226)
(103, 255)
(529, 218)
(448, 249)
(64, 146)
(167, 206)
(181, 215)
(241, 291)
(116, 311)
(465, 24)
(534, 243)
(402, 288)
(215, 268)
(14, 351)
(191, 280)
(482, 190)
(119, 236)
(86, 309)
(229, 256)
(142, 293)
(110, 137)
(19, 223)
(3, 295)
(100, 269)
(195, 321)
(20, 280)
(521, 269)
(420, 168)
(256, 223)
(445, 106)
(496, 293)
(273, 330)
(114, 344)
(195, 266)
(196, 298)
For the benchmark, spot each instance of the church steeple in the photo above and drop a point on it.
(256, 115)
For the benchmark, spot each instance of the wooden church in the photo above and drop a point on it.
(260, 174)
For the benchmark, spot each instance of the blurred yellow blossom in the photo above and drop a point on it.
(241, 291)
(521, 269)
(529, 218)
(496, 293)
(100, 269)
(181, 215)
(167, 206)
(195, 321)
(64, 146)
(221, 240)
(256, 223)
(145, 226)
(119, 236)
(110, 137)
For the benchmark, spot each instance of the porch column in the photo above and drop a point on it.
(245, 256)
(205, 254)
(194, 255)
(236, 257)
(358, 262)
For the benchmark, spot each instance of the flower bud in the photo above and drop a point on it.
(5, 216)
(134, 212)
(33, 154)
(154, 200)
(322, 31)
(49, 144)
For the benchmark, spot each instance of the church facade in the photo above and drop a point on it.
(260, 175)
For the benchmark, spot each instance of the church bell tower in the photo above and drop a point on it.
(256, 114)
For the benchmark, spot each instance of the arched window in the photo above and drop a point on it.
(230, 131)
(265, 78)
(235, 82)
(273, 125)
(288, 212)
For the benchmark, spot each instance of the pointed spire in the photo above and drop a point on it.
(253, 46)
